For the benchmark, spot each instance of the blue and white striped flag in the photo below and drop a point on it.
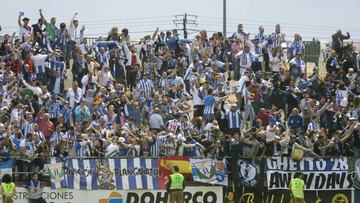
(56, 172)
(120, 174)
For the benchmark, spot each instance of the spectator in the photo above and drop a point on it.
(167, 96)
(35, 189)
(295, 121)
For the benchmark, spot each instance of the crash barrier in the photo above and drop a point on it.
(210, 194)
(243, 179)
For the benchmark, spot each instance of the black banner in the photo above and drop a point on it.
(247, 195)
(250, 173)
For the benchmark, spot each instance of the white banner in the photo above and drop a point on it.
(209, 171)
(192, 194)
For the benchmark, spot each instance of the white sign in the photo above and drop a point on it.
(192, 194)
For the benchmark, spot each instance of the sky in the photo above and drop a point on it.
(310, 18)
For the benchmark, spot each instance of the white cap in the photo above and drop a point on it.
(121, 139)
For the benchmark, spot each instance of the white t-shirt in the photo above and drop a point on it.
(15, 114)
(269, 135)
(195, 94)
(241, 83)
(74, 98)
(276, 63)
(39, 62)
(24, 33)
(111, 149)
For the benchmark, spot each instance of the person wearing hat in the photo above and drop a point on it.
(256, 47)
(25, 29)
(176, 185)
(82, 112)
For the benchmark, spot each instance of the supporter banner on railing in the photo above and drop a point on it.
(330, 196)
(250, 173)
(166, 165)
(247, 195)
(120, 174)
(322, 174)
(209, 171)
(192, 194)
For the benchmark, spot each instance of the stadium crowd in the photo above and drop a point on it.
(212, 96)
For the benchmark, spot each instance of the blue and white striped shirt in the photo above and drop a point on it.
(234, 119)
(55, 139)
(27, 128)
(40, 135)
(189, 72)
(103, 58)
(313, 126)
(209, 102)
(147, 88)
(277, 39)
(54, 109)
(155, 147)
(261, 37)
(162, 83)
